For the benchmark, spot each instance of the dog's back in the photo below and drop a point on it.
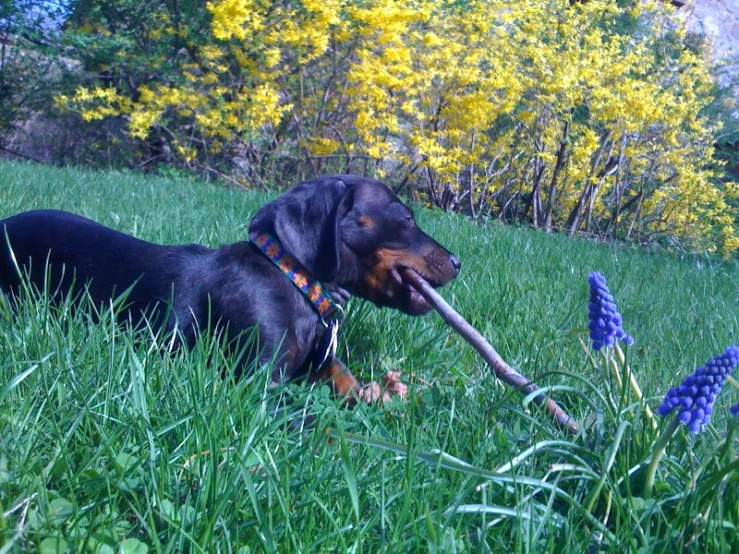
(61, 252)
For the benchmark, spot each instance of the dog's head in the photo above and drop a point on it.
(354, 232)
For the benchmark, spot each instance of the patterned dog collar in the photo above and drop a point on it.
(313, 290)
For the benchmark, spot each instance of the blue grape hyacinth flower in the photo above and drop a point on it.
(605, 320)
(695, 396)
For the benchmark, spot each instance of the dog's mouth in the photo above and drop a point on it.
(409, 300)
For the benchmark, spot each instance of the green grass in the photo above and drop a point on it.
(109, 445)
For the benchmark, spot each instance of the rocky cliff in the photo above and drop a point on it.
(719, 20)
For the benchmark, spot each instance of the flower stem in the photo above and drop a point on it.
(616, 373)
(634, 385)
(659, 449)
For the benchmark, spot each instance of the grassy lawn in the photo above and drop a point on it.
(109, 445)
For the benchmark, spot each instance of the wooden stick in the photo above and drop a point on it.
(502, 370)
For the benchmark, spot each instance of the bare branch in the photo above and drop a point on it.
(502, 370)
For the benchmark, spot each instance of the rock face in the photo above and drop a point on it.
(719, 20)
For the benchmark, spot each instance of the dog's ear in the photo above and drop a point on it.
(306, 221)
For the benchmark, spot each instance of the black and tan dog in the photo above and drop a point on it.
(349, 233)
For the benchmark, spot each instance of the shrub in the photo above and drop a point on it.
(584, 118)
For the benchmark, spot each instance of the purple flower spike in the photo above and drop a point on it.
(734, 409)
(695, 396)
(605, 321)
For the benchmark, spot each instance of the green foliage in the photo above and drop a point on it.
(108, 443)
(594, 117)
(584, 118)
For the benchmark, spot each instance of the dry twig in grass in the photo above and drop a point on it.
(392, 385)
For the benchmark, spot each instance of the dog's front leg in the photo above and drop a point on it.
(341, 379)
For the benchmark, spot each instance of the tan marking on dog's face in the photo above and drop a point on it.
(366, 222)
(434, 266)
(383, 281)
(379, 276)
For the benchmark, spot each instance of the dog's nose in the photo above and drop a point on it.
(455, 262)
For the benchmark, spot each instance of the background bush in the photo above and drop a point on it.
(600, 117)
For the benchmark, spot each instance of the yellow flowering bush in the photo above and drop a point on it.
(584, 118)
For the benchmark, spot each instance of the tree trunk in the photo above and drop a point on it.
(561, 157)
